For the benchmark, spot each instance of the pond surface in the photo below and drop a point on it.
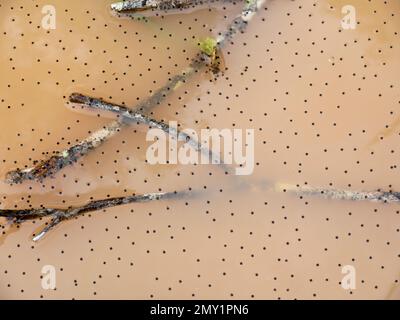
(324, 104)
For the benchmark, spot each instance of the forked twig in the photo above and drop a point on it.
(60, 215)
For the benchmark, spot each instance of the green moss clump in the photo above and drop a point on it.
(208, 46)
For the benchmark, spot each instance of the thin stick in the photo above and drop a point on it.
(141, 5)
(129, 116)
(63, 214)
(50, 166)
(240, 23)
(28, 214)
(57, 220)
(335, 194)
(160, 5)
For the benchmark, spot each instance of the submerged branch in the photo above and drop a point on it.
(133, 117)
(141, 5)
(337, 194)
(59, 215)
(158, 5)
(50, 166)
(240, 23)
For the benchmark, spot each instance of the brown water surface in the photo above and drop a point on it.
(324, 105)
